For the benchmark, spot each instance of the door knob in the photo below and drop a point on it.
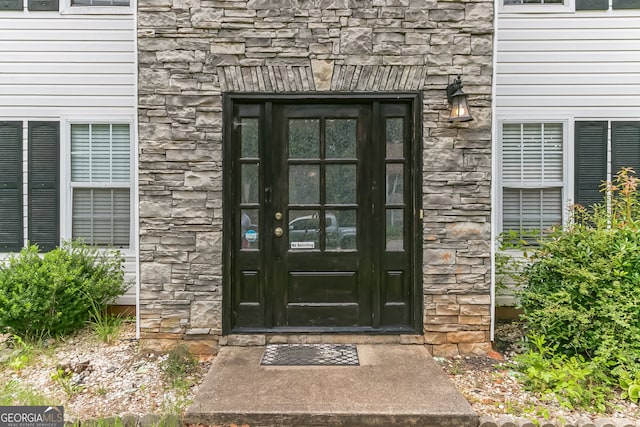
(278, 232)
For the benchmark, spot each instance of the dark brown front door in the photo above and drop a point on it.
(321, 200)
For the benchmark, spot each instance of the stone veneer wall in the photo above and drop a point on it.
(191, 51)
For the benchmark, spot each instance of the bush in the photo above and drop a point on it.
(583, 287)
(54, 294)
(583, 291)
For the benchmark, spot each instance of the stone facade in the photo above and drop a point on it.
(192, 51)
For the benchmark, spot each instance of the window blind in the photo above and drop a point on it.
(532, 176)
(101, 216)
(100, 153)
(532, 153)
(531, 209)
(100, 173)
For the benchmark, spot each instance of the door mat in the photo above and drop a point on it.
(311, 355)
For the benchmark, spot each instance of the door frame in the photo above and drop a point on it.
(228, 102)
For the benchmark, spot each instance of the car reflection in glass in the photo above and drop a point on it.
(307, 229)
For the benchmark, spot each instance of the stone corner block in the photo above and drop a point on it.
(246, 340)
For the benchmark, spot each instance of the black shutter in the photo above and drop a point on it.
(590, 161)
(43, 5)
(626, 4)
(592, 4)
(11, 5)
(44, 168)
(625, 146)
(11, 225)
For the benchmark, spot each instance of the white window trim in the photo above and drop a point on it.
(66, 199)
(67, 9)
(567, 160)
(568, 7)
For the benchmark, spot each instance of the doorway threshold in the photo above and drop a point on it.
(289, 337)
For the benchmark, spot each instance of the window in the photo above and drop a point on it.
(532, 176)
(538, 6)
(101, 183)
(533, 1)
(97, 7)
(99, 2)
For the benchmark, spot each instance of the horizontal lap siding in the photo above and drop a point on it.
(55, 65)
(582, 63)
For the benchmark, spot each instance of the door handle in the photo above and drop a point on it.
(278, 232)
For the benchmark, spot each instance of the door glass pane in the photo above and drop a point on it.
(395, 229)
(395, 138)
(249, 137)
(304, 229)
(342, 230)
(249, 183)
(340, 138)
(304, 138)
(394, 180)
(304, 184)
(341, 184)
(249, 229)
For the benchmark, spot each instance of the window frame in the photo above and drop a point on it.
(567, 164)
(66, 8)
(68, 184)
(568, 6)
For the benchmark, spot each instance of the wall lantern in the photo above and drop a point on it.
(458, 100)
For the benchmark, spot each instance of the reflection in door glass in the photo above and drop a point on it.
(395, 137)
(395, 229)
(249, 183)
(340, 138)
(304, 184)
(342, 230)
(394, 180)
(249, 229)
(304, 138)
(304, 229)
(341, 184)
(249, 137)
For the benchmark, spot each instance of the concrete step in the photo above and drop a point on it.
(394, 385)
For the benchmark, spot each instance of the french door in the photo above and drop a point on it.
(321, 222)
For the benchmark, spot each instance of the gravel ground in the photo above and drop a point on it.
(119, 379)
(104, 380)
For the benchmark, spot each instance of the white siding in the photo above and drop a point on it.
(57, 66)
(584, 64)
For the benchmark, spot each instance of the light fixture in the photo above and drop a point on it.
(458, 100)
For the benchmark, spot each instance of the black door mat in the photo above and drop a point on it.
(311, 355)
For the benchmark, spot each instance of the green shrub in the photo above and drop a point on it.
(583, 291)
(573, 381)
(54, 294)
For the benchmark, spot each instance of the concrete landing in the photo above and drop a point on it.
(394, 385)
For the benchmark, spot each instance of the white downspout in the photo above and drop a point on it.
(494, 174)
